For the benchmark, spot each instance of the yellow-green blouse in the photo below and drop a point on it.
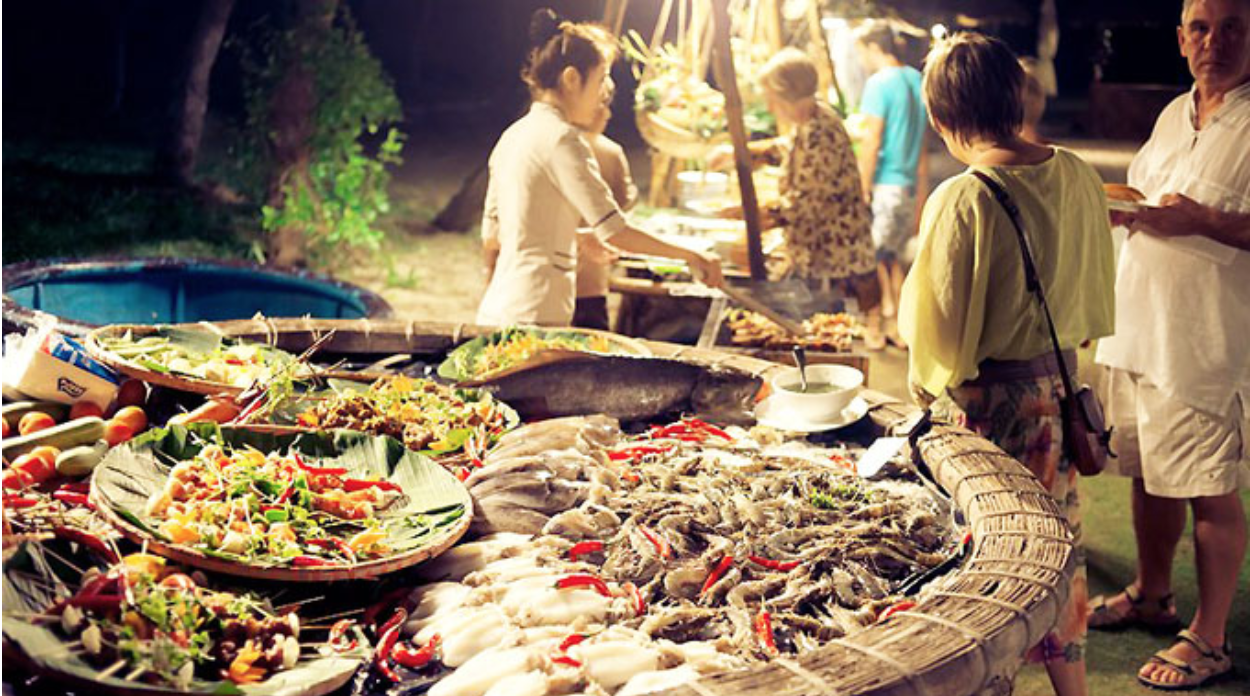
(964, 300)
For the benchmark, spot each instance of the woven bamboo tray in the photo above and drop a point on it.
(672, 140)
(970, 630)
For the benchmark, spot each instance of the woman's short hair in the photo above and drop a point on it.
(972, 87)
(558, 44)
(790, 75)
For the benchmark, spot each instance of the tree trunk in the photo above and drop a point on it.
(291, 124)
(176, 159)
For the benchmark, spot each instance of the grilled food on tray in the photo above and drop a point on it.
(513, 346)
(421, 413)
(827, 332)
(144, 620)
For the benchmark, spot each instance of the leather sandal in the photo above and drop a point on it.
(1155, 615)
(1211, 664)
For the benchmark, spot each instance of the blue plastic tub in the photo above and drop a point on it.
(85, 294)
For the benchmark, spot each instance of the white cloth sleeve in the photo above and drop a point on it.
(576, 174)
(490, 214)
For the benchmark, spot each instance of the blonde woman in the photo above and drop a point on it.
(828, 226)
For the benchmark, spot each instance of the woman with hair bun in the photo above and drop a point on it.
(544, 179)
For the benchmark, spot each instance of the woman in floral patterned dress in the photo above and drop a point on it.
(828, 227)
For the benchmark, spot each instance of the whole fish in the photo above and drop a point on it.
(569, 383)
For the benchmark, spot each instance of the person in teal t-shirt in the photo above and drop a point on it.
(892, 159)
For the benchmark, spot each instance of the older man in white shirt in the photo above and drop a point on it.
(1179, 363)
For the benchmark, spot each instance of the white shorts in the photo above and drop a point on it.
(893, 220)
(1176, 450)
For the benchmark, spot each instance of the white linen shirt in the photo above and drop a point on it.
(1183, 303)
(543, 180)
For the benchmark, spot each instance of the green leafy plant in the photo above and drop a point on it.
(336, 197)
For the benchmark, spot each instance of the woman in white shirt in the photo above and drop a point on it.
(544, 180)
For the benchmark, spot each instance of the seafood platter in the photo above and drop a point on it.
(391, 507)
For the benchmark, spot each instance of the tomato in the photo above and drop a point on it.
(133, 392)
(132, 417)
(33, 422)
(116, 432)
(82, 409)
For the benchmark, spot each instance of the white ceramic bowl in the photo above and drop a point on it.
(816, 407)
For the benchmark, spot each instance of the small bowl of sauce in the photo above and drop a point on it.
(830, 389)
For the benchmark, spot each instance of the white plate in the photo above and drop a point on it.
(767, 414)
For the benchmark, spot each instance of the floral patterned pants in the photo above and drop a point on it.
(1022, 417)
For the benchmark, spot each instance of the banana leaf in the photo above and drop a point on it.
(28, 589)
(432, 513)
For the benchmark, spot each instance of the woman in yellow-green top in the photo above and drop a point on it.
(979, 343)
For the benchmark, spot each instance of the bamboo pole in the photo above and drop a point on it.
(723, 66)
(829, 74)
(614, 15)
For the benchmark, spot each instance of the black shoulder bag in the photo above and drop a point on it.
(1086, 439)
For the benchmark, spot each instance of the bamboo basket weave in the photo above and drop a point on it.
(673, 140)
(969, 631)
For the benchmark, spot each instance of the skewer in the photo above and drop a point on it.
(64, 560)
(280, 608)
(112, 669)
(340, 614)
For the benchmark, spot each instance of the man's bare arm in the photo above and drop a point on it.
(869, 149)
(1180, 216)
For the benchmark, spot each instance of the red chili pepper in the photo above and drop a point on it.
(99, 602)
(565, 660)
(671, 430)
(382, 655)
(351, 485)
(584, 580)
(418, 657)
(582, 548)
(689, 438)
(286, 495)
(477, 463)
(338, 640)
(87, 540)
(386, 601)
(311, 562)
(710, 429)
(719, 571)
(397, 619)
(333, 545)
(233, 361)
(570, 641)
(774, 565)
(764, 631)
(901, 606)
(462, 474)
(71, 498)
(638, 451)
(76, 487)
(661, 544)
(842, 461)
(631, 476)
(17, 502)
(640, 602)
(317, 471)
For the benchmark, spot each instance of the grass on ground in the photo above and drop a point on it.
(1114, 658)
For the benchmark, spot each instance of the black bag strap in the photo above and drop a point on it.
(1031, 281)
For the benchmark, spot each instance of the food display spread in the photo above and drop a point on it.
(822, 331)
(605, 554)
